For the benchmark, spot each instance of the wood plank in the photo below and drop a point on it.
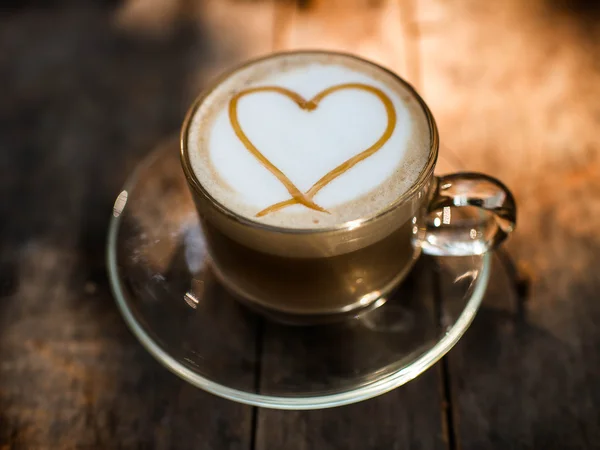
(513, 89)
(233, 30)
(379, 31)
(322, 358)
(397, 420)
(88, 98)
(409, 417)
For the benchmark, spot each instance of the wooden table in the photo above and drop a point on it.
(89, 88)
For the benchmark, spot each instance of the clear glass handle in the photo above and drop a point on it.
(468, 214)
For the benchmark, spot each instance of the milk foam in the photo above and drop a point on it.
(307, 144)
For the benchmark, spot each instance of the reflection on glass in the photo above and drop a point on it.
(446, 215)
(191, 300)
(120, 203)
(353, 225)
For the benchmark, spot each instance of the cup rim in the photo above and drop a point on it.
(351, 224)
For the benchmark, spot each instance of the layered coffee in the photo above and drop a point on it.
(308, 170)
(308, 140)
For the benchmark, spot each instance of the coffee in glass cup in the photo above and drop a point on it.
(312, 173)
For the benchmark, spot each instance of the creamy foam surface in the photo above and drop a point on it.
(359, 108)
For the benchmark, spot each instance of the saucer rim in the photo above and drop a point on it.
(372, 389)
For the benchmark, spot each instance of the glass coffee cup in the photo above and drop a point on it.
(306, 258)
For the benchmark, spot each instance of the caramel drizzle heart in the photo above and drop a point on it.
(299, 197)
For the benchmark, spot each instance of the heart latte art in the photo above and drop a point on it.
(310, 105)
(308, 140)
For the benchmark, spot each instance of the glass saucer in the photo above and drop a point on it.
(161, 278)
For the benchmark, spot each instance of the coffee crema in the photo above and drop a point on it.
(308, 140)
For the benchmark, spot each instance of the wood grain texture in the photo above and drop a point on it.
(408, 417)
(377, 30)
(513, 89)
(86, 100)
(405, 418)
(90, 89)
